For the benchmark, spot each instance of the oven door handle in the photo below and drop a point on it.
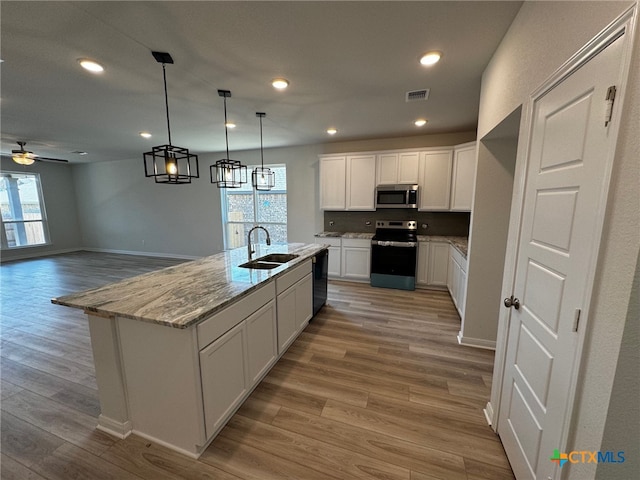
(383, 243)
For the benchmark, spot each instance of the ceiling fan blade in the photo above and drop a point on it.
(47, 159)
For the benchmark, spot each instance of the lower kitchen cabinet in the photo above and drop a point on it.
(349, 258)
(356, 259)
(262, 341)
(223, 367)
(438, 263)
(457, 279)
(335, 255)
(294, 304)
(433, 262)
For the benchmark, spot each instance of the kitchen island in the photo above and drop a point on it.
(178, 350)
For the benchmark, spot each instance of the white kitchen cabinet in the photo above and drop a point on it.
(361, 182)
(423, 263)
(225, 383)
(438, 263)
(435, 179)
(397, 167)
(294, 304)
(333, 171)
(433, 263)
(457, 282)
(463, 177)
(356, 259)
(335, 254)
(262, 342)
(347, 182)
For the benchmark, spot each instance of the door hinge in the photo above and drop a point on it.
(611, 97)
(576, 319)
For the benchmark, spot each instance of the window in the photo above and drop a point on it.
(243, 208)
(24, 222)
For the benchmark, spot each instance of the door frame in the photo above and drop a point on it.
(623, 25)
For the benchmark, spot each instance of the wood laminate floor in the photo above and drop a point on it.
(376, 387)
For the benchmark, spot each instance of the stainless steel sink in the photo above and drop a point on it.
(260, 265)
(267, 262)
(277, 257)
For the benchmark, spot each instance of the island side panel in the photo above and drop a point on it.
(114, 417)
(162, 376)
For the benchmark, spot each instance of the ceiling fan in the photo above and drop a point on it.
(25, 157)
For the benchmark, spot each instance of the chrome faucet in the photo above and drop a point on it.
(250, 251)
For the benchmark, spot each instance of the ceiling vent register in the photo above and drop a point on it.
(417, 95)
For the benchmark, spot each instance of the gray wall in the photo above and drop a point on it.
(121, 210)
(60, 203)
(542, 37)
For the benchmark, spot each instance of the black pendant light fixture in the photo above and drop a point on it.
(227, 173)
(168, 163)
(262, 178)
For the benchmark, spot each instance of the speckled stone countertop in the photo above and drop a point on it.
(461, 243)
(185, 294)
(362, 236)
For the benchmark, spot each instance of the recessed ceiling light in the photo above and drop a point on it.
(332, 131)
(421, 122)
(145, 134)
(430, 58)
(79, 152)
(280, 83)
(230, 125)
(91, 65)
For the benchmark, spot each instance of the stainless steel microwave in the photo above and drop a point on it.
(397, 196)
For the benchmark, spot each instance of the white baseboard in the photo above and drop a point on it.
(488, 413)
(34, 253)
(142, 254)
(117, 429)
(170, 446)
(476, 342)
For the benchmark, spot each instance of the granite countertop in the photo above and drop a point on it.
(185, 294)
(363, 236)
(461, 243)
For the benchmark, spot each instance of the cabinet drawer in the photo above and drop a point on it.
(356, 242)
(228, 318)
(291, 277)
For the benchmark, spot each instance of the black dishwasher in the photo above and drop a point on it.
(320, 267)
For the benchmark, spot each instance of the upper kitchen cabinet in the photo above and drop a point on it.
(435, 179)
(400, 167)
(361, 182)
(347, 182)
(463, 179)
(333, 178)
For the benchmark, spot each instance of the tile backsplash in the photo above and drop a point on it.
(438, 223)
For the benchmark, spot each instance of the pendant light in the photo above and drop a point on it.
(262, 178)
(168, 163)
(227, 173)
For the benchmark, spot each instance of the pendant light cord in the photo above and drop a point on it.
(166, 101)
(261, 149)
(226, 129)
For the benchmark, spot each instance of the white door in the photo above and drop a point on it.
(557, 250)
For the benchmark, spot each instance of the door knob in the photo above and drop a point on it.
(512, 302)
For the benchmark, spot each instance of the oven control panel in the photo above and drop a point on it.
(398, 224)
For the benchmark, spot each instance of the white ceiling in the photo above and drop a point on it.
(349, 65)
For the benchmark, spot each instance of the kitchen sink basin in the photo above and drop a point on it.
(260, 265)
(267, 262)
(277, 257)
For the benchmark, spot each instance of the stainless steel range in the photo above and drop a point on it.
(394, 248)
